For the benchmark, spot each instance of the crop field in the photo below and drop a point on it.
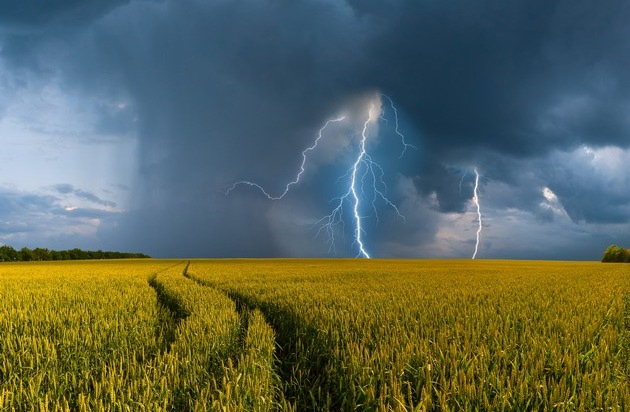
(314, 335)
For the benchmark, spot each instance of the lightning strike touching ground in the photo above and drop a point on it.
(371, 170)
(353, 186)
(475, 200)
(363, 172)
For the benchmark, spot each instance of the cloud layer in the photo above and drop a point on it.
(535, 94)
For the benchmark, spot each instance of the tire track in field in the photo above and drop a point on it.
(256, 362)
(303, 356)
(301, 352)
(243, 311)
(171, 311)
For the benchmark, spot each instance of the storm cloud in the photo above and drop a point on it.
(534, 94)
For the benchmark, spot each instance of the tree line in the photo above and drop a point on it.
(615, 253)
(9, 254)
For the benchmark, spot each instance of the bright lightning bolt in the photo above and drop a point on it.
(364, 171)
(353, 188)
(366, 167)
(475, 200)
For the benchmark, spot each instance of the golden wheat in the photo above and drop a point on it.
(450, 335)
(265, 335)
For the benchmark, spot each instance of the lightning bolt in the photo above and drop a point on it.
(335, 218)
(364, 171)
(475, 200)
(299, 174)
(363, 168)
(462, 180)
(402, 138)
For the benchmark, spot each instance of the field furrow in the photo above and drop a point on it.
(170, 313)
(220, 358)
(303, 353)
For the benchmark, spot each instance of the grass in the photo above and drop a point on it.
(264, 335)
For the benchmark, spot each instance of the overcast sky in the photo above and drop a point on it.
(122, 124)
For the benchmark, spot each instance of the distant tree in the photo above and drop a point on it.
(25, 254)
(41, 254)
(615, 253)
(609, 253)
(76, 254)
(8, 254)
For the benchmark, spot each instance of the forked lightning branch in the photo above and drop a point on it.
(365, 181)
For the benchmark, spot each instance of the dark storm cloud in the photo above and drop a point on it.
(229, 90)
(504, 76)
(250, 82)
(34, 39)
(589, 190)
(194, 226)
(33, 14)
(518, 78)
(224, 91)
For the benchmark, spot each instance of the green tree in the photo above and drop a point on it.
(8, 254)
(41, 254)
(615, 253)
(25, 254)
(75, 254)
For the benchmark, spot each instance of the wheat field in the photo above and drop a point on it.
(314, 335)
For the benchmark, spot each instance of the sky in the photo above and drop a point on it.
(123, 123)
